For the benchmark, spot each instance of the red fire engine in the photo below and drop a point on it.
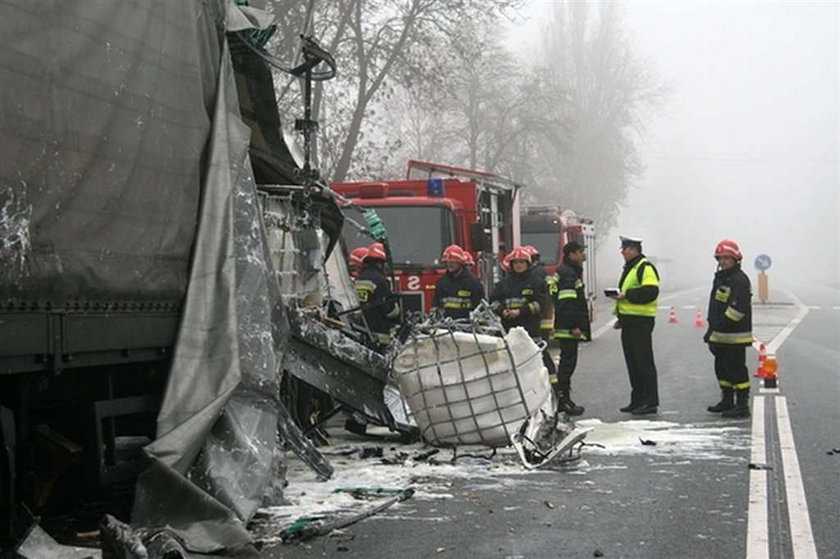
(549, 228)
(436, 206)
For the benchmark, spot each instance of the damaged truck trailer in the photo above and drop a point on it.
(144, 318)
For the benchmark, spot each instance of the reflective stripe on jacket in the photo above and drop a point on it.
(379, 305)
(458, 295)
(524, 292)
(730, 308)
(570, 306)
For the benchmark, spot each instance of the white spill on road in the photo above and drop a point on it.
(433, 478)
(664, 438)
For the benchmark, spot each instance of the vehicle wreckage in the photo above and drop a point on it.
(173, 300)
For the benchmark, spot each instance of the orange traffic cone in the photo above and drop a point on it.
(672, 316)
(761, 372)
(771, 372)
(698, 320)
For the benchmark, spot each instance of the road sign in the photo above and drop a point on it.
(763, 262)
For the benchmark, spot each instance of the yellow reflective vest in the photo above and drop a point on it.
(635, 279)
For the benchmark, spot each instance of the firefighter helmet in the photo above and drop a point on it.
(357, 256)
(468, 259)
(532, 250)
(505, 263)
(728, 247)
(454, 253)
(376, 251)
(519, 253)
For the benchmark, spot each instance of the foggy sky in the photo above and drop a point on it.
(747, 144)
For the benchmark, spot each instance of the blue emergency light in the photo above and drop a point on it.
(434, 188)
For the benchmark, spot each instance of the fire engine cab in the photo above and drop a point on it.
(433, 207)
(549, 228)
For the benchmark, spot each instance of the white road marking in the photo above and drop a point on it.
(800, 522)
(602, 329)
(814, 307)
(836, 307)
(757, 544)
(688, 306)
(769, 390)
(773, 345)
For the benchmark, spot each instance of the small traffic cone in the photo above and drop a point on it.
(698, 320)
(672, 316)
(771, 372)
(761, 372)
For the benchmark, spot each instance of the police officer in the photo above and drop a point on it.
(457, 292)
(380, 306)
(730, 330)
(571, 321)
(519, 296)
(635, 306)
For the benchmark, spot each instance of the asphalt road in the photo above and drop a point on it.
(686, 495)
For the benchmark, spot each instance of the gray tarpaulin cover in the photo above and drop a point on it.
(105, 111)
(124, 174)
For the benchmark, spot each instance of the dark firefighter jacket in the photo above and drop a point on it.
(570, 307)
(457, 295)
(525, 292)
(730, 308)
(547, 313)
(379, 305)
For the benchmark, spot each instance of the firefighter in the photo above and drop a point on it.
(357, 258)
(469, 262)
(457, 292)
(379, 305)
(518, 298)
(730, 330)
(571, 322)
(547, 315)
(635, 306)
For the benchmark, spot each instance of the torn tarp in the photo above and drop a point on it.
(125, 177)
(217, 430)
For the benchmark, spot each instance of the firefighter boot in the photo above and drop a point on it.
(742, 405)
(565, 404)
(727, 400)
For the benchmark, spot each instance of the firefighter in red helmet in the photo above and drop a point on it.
(457, 292)
(730, 330)
(357, 258)
(380, 306)
(519, 297)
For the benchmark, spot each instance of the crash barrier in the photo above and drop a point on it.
(471, 387)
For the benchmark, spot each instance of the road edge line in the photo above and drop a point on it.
(757, 541)
(802, 537)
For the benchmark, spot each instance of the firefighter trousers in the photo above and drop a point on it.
(637, 343)
(731, 366)
(567, 364)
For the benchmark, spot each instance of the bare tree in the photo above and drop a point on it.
(378, 44)
(485, 111)
(607, 93)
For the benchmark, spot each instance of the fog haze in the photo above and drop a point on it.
(746, 145)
